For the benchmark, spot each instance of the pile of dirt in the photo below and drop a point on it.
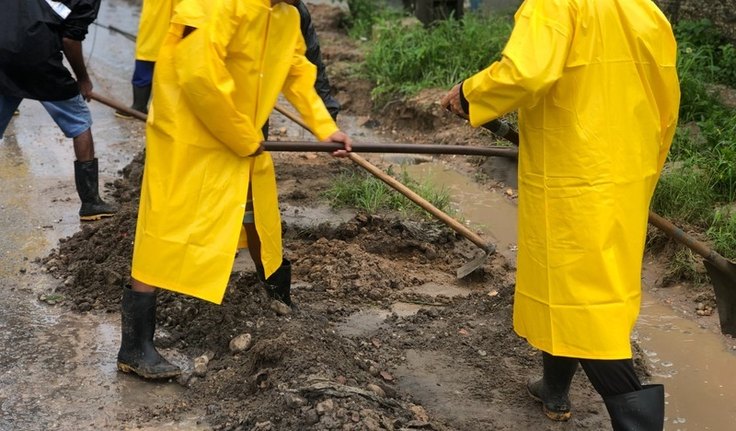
(349, 358)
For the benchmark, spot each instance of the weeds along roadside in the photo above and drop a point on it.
(698, 185)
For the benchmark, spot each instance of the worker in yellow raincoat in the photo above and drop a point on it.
(278, 285)
(597, 93)
(152, 29)
(218, 76)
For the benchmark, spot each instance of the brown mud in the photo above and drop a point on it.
(385, 337)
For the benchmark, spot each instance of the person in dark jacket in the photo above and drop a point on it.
(278, 285)
(35, 36)
(314, 55)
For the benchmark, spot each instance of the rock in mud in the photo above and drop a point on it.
(376, 390)
(241, 343)
(325, 407)
(295, 401)
(280, 308)
(200, 365)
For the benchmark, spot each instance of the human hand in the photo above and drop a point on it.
(259, 151)
(85, 88)
(343, 138)
(451, 102)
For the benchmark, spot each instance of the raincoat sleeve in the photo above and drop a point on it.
(207, 84)
(153, 27)
(532, 61)
(299, 90)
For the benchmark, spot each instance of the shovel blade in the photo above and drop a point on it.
(724, 285)
(475, 263)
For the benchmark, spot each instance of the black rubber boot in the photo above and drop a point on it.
(141, 96)
(137, 353)
(278, 285)
(637, 411)
(552, 390)
(86, 178)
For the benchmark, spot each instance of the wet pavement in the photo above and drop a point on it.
(58, 368)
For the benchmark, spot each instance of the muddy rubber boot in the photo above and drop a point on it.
(552, 390)
(86, 178)
(278, 285)
(637, 411)
(141, 96)
(137, 353)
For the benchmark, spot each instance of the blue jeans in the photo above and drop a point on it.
(71, 115)
(143, 73)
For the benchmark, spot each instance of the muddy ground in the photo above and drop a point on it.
(351, 357)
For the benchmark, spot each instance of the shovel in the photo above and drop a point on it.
(463, 271)
(721, 271)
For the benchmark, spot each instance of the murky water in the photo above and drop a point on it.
(695, 365)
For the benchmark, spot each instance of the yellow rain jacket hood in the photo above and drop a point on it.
(597, 92)
(153, 27)
(213, 90)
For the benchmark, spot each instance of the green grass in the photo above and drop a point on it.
(405, 59)
(698, 185)
(365, 15)
(360, 190)
(722, 230)
(716, 54)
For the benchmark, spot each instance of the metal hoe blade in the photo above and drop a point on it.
(476, 262)
(724, 286)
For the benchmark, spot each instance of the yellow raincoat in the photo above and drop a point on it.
(213, 90)
(153, 27)
(598, 95)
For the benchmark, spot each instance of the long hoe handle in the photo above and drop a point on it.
(114, 104)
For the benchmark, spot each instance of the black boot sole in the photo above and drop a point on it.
(129, 369)
(95, 217)
(556, 416)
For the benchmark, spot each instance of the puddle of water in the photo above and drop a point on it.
(435, 289)
(695, 366)
(487, 210)
(65, 365)
(362, 322)
(405, 309)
